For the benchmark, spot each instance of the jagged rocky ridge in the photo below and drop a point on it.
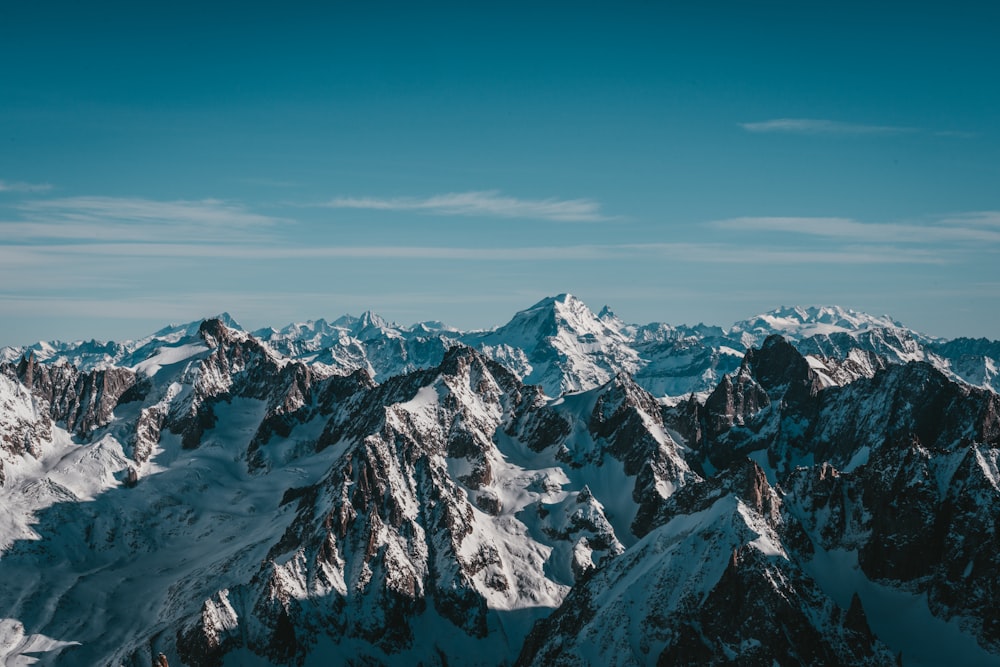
(561, 345)
(715, 582)
(286, 514)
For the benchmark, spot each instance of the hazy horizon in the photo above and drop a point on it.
(681, 163)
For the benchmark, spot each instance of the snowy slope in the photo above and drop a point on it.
(566, 346)
(357, 490)
(560, 344)
(713, 583)
(452, 504)
(236, 451)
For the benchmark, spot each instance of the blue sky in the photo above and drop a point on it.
(682, 162)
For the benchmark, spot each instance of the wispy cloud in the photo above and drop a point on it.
(483, 203)
(205, 211)
(134, 219)
(677, 252)
(822, 126)
(728, 253)
(19, 186)
(974, 218)
(973, 228)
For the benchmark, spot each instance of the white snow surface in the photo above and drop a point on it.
(558, 343)
(900, 619)
(802, 322)
(199, 524)
(166, 356)
(678, 563)
(153, 553)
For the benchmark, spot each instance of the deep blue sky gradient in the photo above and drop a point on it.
(721, 158)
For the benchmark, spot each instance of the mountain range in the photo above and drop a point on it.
(811, 485)
(561, 345)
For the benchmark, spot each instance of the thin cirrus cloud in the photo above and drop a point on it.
(20, 186)
(978, 228)
(701, 253)
(823, 126)
(974, 219)
(490, 203)
(98, 219)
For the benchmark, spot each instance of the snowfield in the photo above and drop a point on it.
(565, 489)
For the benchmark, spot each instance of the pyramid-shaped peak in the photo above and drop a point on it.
(216, 331)
(372, 325)
(609, 319)
(174, 332)
(228, 320)
(567, 306)
(370, 318)
(555, 314)
(550, 302)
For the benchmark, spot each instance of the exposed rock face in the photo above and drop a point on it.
(686, 360)
(630, 422)
(904, 474)
(737, 398)
(237, 366)
(775, 378)
(714, 583)
(975, 360)
(918, 498)
(292, 511)
(423, 516)
(25, 423)
(560, 345)
(80, 401)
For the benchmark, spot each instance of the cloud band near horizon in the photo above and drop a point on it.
(822, 126)
(979, 227)
(21, 186)
(489, 203)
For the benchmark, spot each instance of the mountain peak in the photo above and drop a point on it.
(408, 521)
(553, 302)
(214, 330)
(566, 347)
(564, 304)
(370, 318)
(804, 321)
(551, 316)
(228, 320)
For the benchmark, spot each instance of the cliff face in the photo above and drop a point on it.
(434, 510)
(264, 509)
(81, 401)
(716, 582)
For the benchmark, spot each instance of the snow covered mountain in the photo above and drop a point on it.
(455, 496)
(356, 492)
(562, 346)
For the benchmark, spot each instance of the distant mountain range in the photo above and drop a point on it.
(809, 486)
(561, 345)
